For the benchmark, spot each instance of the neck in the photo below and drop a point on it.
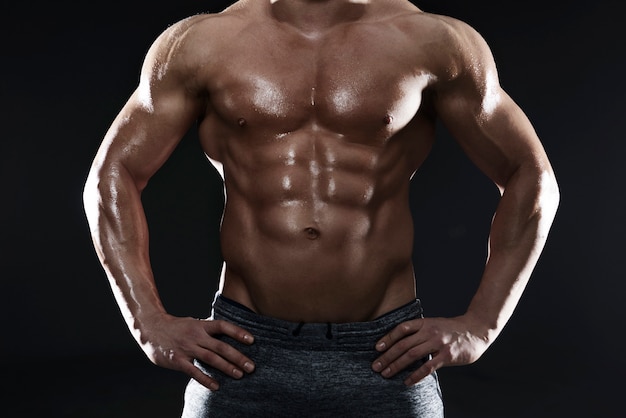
(318, 15)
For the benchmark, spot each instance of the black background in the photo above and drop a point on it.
(68, 68)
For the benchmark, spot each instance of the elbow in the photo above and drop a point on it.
(100, 184)
(533, 180)
(546, 203)
(535, 191)
(91, 193)
(107, 186)
(549, 192)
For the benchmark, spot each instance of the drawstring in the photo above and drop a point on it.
(329, 332)
(296, 331)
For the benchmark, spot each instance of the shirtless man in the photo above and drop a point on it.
(317, 113)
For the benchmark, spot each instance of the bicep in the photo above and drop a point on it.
(140, 140)
(490, 127)
(156, 116)
(499, 141)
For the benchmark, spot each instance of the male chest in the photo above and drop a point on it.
(354, 78)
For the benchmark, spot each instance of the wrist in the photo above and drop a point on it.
(142, 324)
(482, 327)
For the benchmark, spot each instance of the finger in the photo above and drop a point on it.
(395, 352)
(425, 370)
(207, 381)
(398, 333)
(233, 331)
(400, 347)
(235, 362)
(226, 358)
(409, 357)
(215, 361)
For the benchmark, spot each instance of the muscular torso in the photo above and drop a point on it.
(318, 136)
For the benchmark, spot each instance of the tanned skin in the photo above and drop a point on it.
(317, 113)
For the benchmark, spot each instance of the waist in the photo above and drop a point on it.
(312, 335)
(313, 293)
(340, 267)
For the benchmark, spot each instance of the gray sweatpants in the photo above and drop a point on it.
(312, 370)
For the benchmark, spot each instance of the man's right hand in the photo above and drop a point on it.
(174, 343)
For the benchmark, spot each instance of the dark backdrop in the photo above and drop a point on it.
(68, 68)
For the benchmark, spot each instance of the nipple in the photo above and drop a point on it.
(388, 119)
(242, 122)
(312, 233)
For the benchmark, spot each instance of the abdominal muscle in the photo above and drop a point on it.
(309, 235)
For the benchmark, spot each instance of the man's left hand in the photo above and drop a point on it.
(450, 342)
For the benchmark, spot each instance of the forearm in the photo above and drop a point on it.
(120, 235)
(518, 234)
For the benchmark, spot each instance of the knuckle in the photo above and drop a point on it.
(414, 353)
(430, 368)
(404, 345)
(210, 358)
(413, 327)
(201, 377)
(221, 347)
(400, 346)
(384, 359)
(239, 359)
(434, 331)
(445, 352)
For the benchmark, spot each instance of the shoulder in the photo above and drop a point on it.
(214, 27)
(186, 35)
(450, 46)
(190, 44)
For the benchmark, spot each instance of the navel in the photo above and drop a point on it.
(242, 122)
(312, 233)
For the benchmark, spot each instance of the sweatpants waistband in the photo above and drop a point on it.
(294, 335)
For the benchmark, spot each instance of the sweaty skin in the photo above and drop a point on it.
(317, 114)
